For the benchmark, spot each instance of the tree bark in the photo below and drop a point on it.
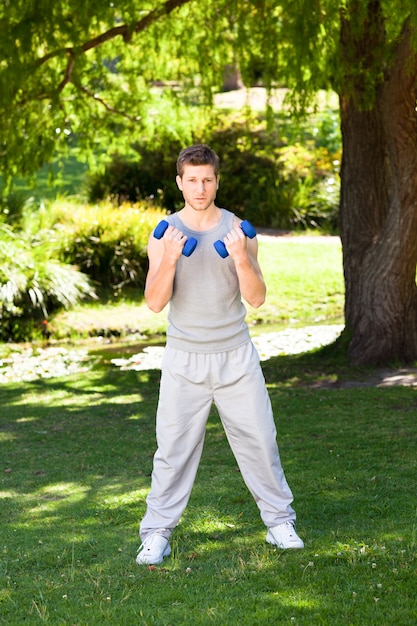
(232, 78)
(378, 211)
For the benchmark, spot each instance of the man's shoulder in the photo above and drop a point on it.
(229, 217)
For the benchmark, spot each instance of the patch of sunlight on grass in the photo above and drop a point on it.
(5, 595)
(9, 494)
(23, 420)
(132, 498)
(52, 495)
(67, 488)
(210, 523)
(7, 437)
(127, 399)
(55, 398)
(295, 601)
(355, 548)
(144, 377)
(68, 399)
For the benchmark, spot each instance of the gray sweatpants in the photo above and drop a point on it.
(190, 383)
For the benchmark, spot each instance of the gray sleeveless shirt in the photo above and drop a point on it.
(206, 313)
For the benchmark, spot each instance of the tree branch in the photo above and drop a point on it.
(124, 30)
(107, 106)
(68, 72)
(404, 68)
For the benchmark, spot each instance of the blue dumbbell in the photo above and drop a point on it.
(189, 245)
(247, 228)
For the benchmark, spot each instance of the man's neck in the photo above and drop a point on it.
(200, 220)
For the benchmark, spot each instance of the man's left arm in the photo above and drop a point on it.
(244, 253)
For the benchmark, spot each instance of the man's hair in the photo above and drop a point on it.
(199, 154)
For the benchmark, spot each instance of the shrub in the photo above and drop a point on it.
(281, 178)
(106, 242)
(14, 207)
(149, 177)
(33, 285)
(59, 251)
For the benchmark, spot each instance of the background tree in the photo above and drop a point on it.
(379, 184)
(76, 68)
(67, 71)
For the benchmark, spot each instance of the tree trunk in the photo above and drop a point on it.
(378, 212)
(232, 78)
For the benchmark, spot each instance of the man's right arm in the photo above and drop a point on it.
(163, 255)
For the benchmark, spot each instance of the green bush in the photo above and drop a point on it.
(14, 207)
(108, 243)
(282, 178)
(55, 255)
(33, 285)
(149, 177)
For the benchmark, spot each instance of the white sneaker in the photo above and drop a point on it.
(153, 550)
(284, 536)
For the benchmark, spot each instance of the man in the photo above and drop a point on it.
(209, 358)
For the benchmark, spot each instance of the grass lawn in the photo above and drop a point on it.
(57, 179)
(76, 457)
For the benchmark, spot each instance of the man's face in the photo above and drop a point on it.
(199, 186)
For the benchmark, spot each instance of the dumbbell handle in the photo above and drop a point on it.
(189, 246)
(247, 228)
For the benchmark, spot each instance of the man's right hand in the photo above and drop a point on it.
(174, 241)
